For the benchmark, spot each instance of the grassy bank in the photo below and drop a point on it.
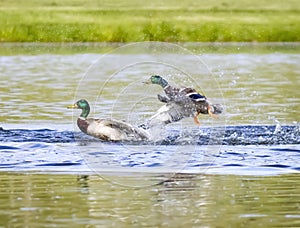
(160, 20)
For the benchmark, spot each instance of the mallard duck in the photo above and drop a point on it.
(106, 129)
(181, 103)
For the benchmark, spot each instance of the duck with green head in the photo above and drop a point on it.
(181, 103)
(106, 129)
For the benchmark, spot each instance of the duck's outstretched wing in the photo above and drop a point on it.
(169, 113)
(163, 99)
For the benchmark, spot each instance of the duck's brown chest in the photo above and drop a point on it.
(82, 124)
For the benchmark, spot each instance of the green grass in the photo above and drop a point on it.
(160, 20)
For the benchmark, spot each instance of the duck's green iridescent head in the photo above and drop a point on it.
(83, 105)
(156, 79)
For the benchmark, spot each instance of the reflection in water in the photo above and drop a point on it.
(184, 200)
(83, 183)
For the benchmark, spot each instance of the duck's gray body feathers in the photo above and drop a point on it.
(111, 130)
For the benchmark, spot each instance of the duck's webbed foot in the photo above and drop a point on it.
(211, 112)
(162, 98)
(196, 120)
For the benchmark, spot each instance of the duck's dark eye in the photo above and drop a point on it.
(81, 103)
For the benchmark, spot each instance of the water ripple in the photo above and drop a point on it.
(261, 147)
(232, 135)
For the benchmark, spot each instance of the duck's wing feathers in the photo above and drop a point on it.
(163, 98)
(196, 97)
(171, 91)
(192, 94)
(115, 130)
(185, 95)
(171, 112)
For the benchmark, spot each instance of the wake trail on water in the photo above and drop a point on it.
(231, 135)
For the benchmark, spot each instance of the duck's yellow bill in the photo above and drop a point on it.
(147, 82)
(72, 106)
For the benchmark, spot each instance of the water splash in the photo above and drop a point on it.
(233, 135)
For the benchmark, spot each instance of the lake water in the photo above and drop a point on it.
(239, 170)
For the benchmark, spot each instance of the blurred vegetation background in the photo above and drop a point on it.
(155, 20)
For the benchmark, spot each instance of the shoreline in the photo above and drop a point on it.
(33, 48)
